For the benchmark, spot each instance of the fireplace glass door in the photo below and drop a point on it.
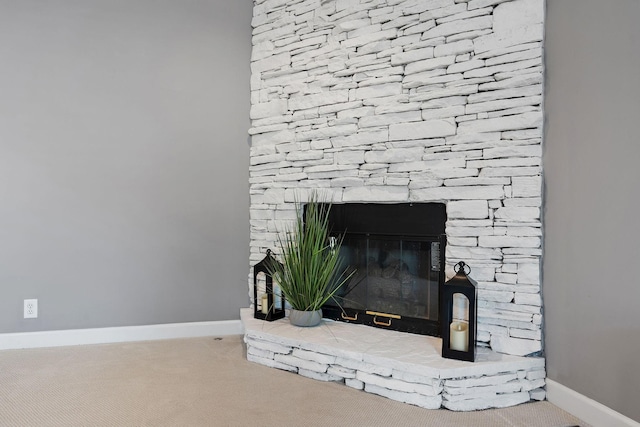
(397, 275)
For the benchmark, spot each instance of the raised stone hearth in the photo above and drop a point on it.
(400, 366)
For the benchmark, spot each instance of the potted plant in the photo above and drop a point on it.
(311, 271)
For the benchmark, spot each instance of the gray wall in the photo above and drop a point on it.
(123, 161)
(592, 227)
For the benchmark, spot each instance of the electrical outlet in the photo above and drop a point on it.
(30, 308)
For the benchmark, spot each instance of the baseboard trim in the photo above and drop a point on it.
(60, 338)
(585, 408)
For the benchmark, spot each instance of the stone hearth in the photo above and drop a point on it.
(400, 366)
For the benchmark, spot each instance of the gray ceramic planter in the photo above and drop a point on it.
(305, 318)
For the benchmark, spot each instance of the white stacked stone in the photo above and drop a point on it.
(410, 101)
(424, 380)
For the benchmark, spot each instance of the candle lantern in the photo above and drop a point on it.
(459, 302)
(268, 304)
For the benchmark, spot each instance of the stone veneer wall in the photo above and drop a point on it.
(410, 101)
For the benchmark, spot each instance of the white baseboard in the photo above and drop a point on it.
(588, 410)
(119, 334)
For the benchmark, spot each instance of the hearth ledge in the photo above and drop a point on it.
(397, 365)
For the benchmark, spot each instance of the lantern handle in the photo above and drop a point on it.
(462, 266)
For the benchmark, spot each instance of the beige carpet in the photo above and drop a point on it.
(205, 382)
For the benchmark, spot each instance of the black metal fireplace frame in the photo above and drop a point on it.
(422, 222)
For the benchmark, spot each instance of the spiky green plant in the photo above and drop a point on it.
(311, 272)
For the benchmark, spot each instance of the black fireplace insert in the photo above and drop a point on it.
(397, 251)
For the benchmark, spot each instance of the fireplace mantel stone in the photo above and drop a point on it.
(400, 366)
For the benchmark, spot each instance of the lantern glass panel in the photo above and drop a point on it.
(277, 294)
(261, 284)
(459, 327)
(460, 308)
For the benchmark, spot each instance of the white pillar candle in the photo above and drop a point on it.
(265, 304)
(459, 336)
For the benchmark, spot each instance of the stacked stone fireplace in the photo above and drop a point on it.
(410, 101)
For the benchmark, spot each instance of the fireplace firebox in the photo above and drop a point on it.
(397, 251)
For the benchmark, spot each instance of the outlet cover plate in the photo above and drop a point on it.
(30, 308)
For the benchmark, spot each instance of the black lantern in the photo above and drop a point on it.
(267, 304)
(459, 315)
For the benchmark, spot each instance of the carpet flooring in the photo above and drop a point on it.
(206, 382)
